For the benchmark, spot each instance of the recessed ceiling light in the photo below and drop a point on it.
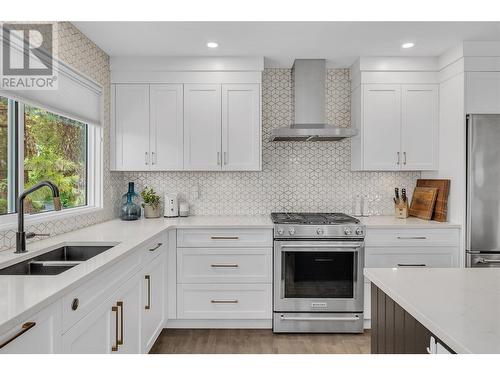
(408, 45)
(212, 44)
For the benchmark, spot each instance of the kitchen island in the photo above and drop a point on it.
(457, 307)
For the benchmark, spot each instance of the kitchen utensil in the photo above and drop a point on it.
(403, 195)
(171, 205)
(422, 202)
(441, 207)
(396, 193)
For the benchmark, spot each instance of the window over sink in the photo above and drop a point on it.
(37, 144)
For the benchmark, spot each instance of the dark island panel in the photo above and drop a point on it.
(394, 330)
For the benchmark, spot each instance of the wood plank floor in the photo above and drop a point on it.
(257, 341)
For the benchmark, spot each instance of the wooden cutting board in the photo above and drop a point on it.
(422, 202)
(441, 206)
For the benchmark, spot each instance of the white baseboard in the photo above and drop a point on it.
(214, 323)
(367, 324)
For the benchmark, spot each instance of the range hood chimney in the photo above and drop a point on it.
(309, 77)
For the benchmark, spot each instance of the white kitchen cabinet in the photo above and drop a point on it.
(130, 128)
(419, 127)
(202, 127)
(397, 125)
(382, 127)
(224, 265)
(147, 127)
(166, 127)
(224, 301)
(39, 334)
(112, 327)
(96, 333)
(482, 92)
(400, 247)
(153, 302)
(241, 130)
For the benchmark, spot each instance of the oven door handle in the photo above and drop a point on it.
(328, 318)
(323, 246)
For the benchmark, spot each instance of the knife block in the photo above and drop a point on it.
(401, 210)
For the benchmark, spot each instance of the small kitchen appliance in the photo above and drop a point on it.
(318, 272)
(171, 205)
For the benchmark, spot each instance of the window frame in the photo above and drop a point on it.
(94, 173)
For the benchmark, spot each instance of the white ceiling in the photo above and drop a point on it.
(282, 42)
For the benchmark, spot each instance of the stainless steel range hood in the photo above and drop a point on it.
(309, 77)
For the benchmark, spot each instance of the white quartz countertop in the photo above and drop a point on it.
(21, 296)
(410, 222)
(461, 306)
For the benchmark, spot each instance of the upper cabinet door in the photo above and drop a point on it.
(381, 127)
(166, 127)
(419, 127)
(131, 128)
(202, 127)
(241, 135)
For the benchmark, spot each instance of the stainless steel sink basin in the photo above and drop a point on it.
(56, 261)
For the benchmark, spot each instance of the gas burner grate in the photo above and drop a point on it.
(312, 218)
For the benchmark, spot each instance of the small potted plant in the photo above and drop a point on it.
(151, 203)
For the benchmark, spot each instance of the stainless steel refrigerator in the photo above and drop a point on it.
(483, 191)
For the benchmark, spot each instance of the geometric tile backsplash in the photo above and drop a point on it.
(296, 176)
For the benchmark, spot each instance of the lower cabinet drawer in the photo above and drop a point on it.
(416, 257)
(240, 265)
(209, 301)
(412, 237)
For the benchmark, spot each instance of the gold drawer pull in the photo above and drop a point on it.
(412, 265)
(412, 238)
(224, 301)
(24, 328)
(224, 237)
(148, 278)
(114, 348)
(220, 265)
(120, 305)
(156, 247)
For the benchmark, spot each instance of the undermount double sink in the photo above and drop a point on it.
(56, 261)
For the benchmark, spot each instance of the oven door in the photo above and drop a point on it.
(318, 276)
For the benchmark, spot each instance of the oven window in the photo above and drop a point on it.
(318, 274)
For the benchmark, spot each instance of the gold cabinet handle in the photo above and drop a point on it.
(114, 348)
(120, 305)
(148, 278)
(412, 238)
(24, 328)
(224, 265)
(224, 301)
(156, 247)
(224, 238)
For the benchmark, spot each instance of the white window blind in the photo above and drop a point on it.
(77, 96)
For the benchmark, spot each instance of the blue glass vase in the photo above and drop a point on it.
(131, 207)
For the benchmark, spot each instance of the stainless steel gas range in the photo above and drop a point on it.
(318, 272)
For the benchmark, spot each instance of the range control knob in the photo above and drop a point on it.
(280, 231)
(320, 231)
(291, 231)
(359, 231)
(347, 231)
